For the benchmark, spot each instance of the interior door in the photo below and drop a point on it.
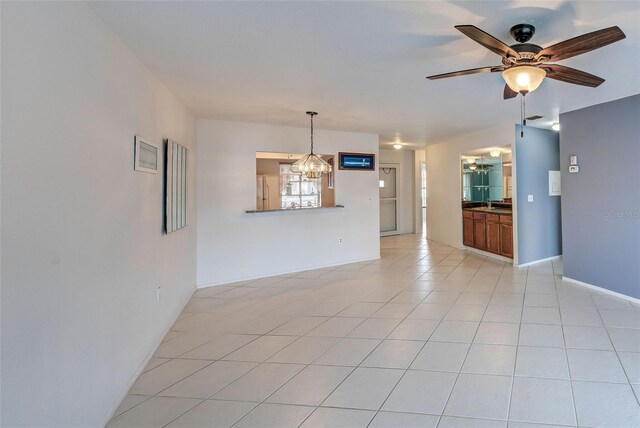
(388, 174)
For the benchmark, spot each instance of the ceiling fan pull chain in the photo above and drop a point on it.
(523, 111)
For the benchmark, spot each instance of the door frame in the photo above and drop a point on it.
(398, 197)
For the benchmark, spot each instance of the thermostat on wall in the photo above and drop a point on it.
(573, 164)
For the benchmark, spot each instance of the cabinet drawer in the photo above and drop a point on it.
(478, 216)
(506, 219)
(467, 214)
(493, 217)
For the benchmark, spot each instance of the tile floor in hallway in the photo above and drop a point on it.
(426, 336)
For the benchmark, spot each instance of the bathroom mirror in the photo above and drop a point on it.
(278, 188)
(486, 175)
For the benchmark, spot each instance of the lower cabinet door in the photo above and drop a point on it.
(467, 232)
(506, 240)
(479, 237)
(493, 237)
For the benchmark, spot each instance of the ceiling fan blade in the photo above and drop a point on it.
(509, 93)
(487, 40)
(582, 44)
(492, 69)
(571, 75)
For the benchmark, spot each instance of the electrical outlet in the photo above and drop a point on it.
(530, 198)
(339, 240)
(158, 294)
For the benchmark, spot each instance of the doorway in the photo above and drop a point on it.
(388, 175)
(423, 194)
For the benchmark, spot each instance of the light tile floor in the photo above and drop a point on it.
(426, 336)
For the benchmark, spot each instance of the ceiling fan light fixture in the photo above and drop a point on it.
(311, 165)
(555, 126)
(495, 153)
(523, 78)
(397, 146)
(473, 166)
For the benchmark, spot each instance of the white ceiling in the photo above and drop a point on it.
(362, 65)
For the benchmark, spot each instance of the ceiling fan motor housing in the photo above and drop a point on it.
(522, 33)
(527, 52)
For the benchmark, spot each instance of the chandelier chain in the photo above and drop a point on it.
(311, 133)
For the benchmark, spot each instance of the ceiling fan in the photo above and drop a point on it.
(525, 65)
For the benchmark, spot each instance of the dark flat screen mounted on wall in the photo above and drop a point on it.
(357, 161)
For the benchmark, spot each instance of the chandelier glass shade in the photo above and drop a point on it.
(524, 78)
(311, 165)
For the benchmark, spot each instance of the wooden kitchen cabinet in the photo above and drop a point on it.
(506, 240)
(479, 234)
(493, 237)
(467, 232)
(488, 232)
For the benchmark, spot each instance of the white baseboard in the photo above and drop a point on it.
(146, 360)
(540, 261)
(284, 272)
(602, 290)
(488, 254)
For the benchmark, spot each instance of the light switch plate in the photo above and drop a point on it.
(574, 168)
(530, 198)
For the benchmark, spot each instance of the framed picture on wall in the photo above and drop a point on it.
(357, 161)
(145, 156)
(175, 192)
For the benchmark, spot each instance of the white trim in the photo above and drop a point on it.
(488, 254)
(110, 414)
(539, 261)
(284, 272)
(602, 290)
(514, 200)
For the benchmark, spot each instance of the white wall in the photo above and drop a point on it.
(444, 200)
(234, 245)
(82, 246)
(406, 186)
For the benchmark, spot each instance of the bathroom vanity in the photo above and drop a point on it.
(487, 220)
(488, 230)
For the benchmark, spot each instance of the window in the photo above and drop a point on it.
(298, 191)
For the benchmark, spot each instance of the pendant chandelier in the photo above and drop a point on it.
(311, 165)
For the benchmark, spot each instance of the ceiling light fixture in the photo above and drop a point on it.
(524, 78)
(494, 153)
(311, 165)
(473, 166)
(397, 146)
(555, 126)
